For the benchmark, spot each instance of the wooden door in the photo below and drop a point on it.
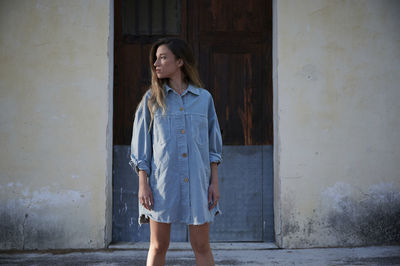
(233, 45)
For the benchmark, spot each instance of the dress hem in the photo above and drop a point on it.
(145, 219)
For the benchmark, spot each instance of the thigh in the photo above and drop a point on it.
(160, 232)
(200, 234)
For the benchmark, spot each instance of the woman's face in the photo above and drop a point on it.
(167, 66)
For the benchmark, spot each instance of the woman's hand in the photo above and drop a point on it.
(145, 195)
(213, 195)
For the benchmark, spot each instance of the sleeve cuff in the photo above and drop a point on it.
(215, 158)
(139, 165)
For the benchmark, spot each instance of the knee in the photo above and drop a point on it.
(159, 247)
(202, 247)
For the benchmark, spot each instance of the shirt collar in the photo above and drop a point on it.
(190, 88)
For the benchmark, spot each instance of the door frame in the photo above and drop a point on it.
(276, 127)
(109, 131)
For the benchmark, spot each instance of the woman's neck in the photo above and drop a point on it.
(178, 85)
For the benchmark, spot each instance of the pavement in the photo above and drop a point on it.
(224, 254)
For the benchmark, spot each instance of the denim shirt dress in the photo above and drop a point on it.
(176, 154)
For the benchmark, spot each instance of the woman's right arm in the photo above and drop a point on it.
(141, 151)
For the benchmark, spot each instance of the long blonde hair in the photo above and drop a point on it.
(181, 50)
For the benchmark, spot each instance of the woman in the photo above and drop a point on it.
(176, 148)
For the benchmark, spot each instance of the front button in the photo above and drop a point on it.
(181, 109)
(184, 155)
(183, 131)
(186, 179)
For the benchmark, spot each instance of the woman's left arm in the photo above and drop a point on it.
(215, 153)
(213, 193)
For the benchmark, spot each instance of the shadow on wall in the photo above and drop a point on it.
(346, 216)
(372, 220)
(46, 219)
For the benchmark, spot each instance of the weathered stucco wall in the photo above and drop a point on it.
(55, 131)
(337, 122)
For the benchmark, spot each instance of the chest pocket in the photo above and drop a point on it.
(199, 129)
(162, 129)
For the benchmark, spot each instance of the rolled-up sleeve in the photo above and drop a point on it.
(141, 144)
(214, 134)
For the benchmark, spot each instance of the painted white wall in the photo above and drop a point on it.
(336, 112)
(55, 117)
(337, 126)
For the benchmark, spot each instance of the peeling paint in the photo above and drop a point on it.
(310, 72)
(31, 220)
(346, 216)
(372, 219)
(75, 176)
(23, 227)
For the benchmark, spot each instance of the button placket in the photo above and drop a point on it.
(183, 159)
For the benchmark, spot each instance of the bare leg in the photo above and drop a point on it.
(199, 238)
(159, 242)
